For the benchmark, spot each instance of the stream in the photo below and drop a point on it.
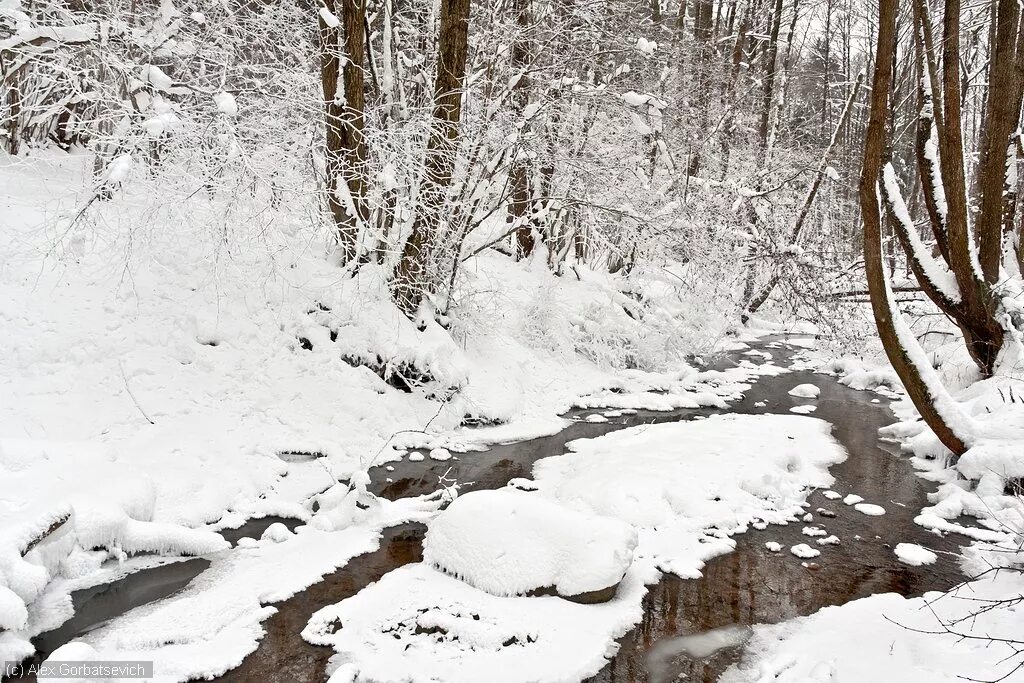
(747, 586)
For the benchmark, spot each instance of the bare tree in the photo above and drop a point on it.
(963, 279)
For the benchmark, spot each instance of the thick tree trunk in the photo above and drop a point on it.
(411, 281)
(346, 146)
(1002, 116)
(519, 207)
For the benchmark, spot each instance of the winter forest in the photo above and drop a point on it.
(512, 341)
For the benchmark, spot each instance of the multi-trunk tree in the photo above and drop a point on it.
(971, 272)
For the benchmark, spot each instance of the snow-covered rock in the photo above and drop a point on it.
(276, 532)
(804, 551)
(440, 454)
(914, 555)
(869, 509)
(419, 624)
(510, 542)
(805, 391)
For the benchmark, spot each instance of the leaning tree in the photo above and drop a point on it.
(971, 268)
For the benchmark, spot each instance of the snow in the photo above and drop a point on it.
(118, 169)
(914, 555)
(828, 540)
(831, 495)
(417, 623)
(156, 77)
(805, 391)
(416, 457)
(930, 521)
(637, 475)
(80, 33)
(596, 417)
(440, 454)
(509, 542)
(889, 638)
(668, 486)
(209, 627)
(772, 546)
(869, 509)
(934, 270)
(226, 104)
(329, 18)
(804, 551)
(853, 499)
(813, 531)
(803, 410)
(152, 376)
(647, 47)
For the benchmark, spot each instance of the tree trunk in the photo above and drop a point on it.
(903, 352)
(519, 207)
(768, 93)
(346, 146)
(411, 281)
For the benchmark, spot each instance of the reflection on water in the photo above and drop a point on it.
(753, 585)
(283, 655)
(96, 605)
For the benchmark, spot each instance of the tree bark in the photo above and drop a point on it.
(411, 280)
(346, 146)
(921, 392)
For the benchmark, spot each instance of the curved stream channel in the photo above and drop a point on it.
(747, 586)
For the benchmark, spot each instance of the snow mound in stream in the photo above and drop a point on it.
(509, 542)
(805, 391)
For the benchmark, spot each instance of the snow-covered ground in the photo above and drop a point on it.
(891, 638)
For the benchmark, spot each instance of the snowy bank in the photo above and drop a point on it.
(891, 638)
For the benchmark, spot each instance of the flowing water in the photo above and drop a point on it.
(691, 629)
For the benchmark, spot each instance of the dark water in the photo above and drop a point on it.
(750, 585)
(753, 585)
(96, 605)
(283, 655)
